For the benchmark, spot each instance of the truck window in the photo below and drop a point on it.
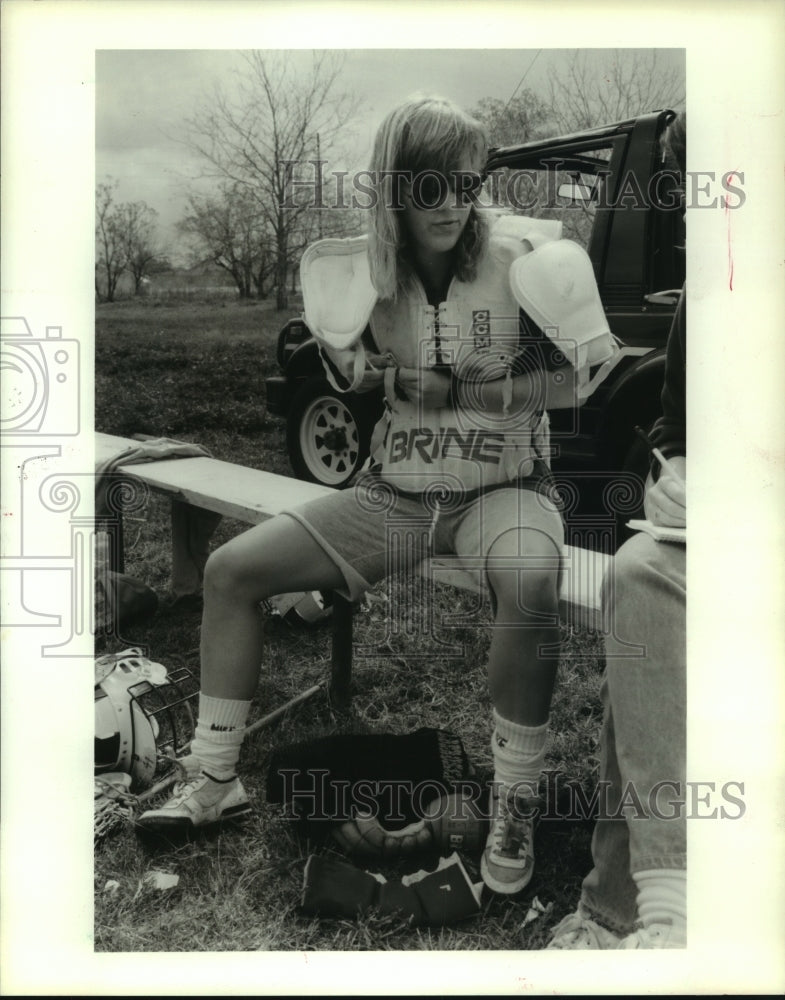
(668, 258)
(569, 193)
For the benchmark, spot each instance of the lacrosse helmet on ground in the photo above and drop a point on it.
(135, 699)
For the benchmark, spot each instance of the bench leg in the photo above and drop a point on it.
(112, 526)
(341, 673)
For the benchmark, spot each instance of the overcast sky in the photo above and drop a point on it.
(144, 96)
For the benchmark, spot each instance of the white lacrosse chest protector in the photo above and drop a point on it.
(475, 332)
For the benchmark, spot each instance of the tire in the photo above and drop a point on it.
(327, 433)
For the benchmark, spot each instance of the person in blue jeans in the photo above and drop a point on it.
(635, 895)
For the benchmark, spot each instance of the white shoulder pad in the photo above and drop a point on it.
(337, 292)
(523, 228)
(514, 235)
(555, 284)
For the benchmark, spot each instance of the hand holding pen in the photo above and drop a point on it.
(666, 500)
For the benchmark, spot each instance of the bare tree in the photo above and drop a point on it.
(590, 88)
(229, 228)
(125, 240)
(523, 118)
(317, 224)
(265, 135)
(110, 257)
(137, 223)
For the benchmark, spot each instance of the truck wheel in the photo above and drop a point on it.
(327, 433)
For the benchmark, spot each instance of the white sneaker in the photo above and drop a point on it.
(197, 802)
(656, 936)
(507, 863)
(578, 932)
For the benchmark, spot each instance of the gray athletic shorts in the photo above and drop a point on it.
(371, 531)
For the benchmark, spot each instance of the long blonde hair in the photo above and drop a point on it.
(424, 133)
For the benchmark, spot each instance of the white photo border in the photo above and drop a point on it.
(735, 94)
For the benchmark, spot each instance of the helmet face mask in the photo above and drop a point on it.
(142, 713)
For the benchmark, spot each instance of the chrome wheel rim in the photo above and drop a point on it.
(329, 440)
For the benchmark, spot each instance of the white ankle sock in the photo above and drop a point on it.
(518, 753)
(662, 899)
(219, 734)
(222, 714)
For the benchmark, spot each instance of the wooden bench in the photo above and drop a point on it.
(251, 496)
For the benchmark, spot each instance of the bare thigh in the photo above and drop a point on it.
(278, 556)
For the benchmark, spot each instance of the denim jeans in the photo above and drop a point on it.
(641, 826)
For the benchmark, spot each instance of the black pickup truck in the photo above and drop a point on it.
(610, 189)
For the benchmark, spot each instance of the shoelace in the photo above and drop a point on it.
(182, 789)
(511, 832)
(647, 937)
(185, 775)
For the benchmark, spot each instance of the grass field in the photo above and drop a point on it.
(196, 371)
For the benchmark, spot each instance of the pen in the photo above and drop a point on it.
(666, 465)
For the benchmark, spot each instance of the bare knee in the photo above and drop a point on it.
(525, 592)
(523, 571)
(226, 575)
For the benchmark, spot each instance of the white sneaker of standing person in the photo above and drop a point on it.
(656, 936)
(578, 932)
